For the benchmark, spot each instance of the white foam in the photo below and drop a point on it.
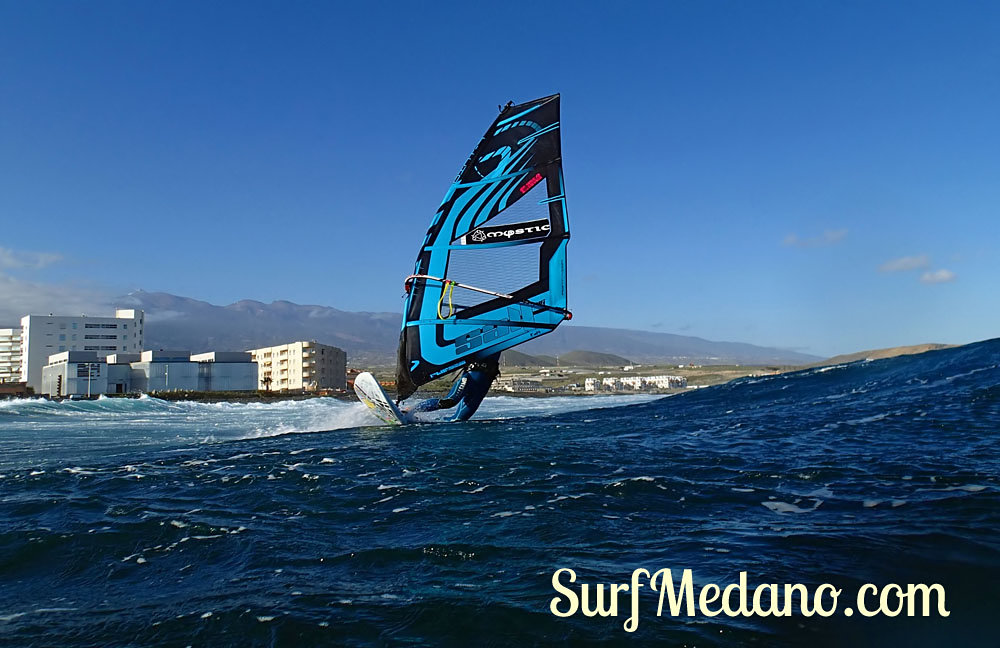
(78, 471)
(785, 507)
(187, 421)
(868, 419)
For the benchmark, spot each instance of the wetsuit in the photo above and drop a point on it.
(468, 391)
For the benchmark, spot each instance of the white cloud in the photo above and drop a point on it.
(829, 237)
(19, 298)
(17, 259)
(938, 276)
(902, 264)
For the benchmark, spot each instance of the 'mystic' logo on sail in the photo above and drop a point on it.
(513, 232)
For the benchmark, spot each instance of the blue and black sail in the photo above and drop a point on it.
(491, 272)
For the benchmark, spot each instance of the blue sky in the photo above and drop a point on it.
(819, 176)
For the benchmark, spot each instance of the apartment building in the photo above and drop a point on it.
(10, 355)
(306, 366)
(516, 384)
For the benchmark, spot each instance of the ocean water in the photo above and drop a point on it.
(147, 523)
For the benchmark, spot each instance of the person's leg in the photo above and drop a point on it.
(477, 385)
(429, 405)
(464, 412)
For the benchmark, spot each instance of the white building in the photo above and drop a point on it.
(518, 385)
(72, 373)
(638, 383)
(85, 373)
(308, 366)
(226, 371)
(667, 382)
(45, 335)
(10, 355)
(592, 384)
(120, 372)
(633, 382)
(164, 371)
(611, 383)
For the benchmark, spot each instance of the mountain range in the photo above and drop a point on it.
(175, 322)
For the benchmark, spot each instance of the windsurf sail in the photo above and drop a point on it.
(491, 272)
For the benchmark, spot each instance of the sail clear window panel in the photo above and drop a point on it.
(503, 270)
(524, 210)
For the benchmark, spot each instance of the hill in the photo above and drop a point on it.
(174, 322)
(648, 347)
(579, 358)
(878, 354)
(592, 359)
(514, 358)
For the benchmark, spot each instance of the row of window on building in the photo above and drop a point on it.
(635, 383)
(519, 385)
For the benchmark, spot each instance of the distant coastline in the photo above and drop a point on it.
(698, 376)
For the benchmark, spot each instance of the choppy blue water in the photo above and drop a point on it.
(301, 523)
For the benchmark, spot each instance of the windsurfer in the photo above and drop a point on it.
(491, 270)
